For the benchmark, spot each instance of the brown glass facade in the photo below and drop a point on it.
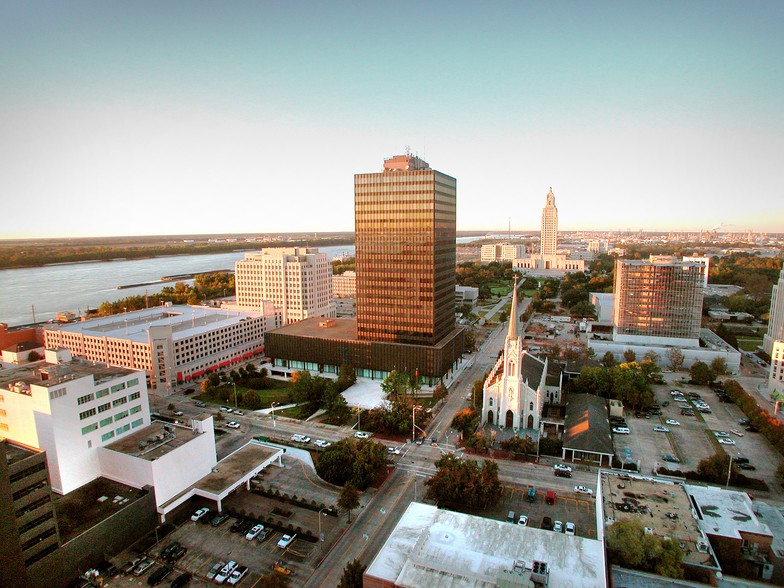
(405, 224)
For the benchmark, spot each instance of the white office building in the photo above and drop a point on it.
(173, 344)
(345, 284)
(297, 280)
(776, 320)
(502, 252)
(69, 408)
(776, 379)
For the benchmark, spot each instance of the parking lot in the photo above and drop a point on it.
(693, 439)
(569, 507)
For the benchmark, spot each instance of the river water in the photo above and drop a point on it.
(75, 287)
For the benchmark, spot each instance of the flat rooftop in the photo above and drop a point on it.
(663, 507)
(232, 468)
(440, 548)
(725, 512)
(185, 321)
(30, 373)
(15, 452)
(155, 441)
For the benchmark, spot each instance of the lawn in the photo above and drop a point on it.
(224, 394)
(749, 344)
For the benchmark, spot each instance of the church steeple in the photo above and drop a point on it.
(512, 335)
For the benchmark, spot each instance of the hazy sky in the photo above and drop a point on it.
(122, 118)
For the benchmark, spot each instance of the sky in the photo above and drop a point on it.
(144, 118)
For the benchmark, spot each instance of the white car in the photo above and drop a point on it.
(233, 425)
(285, 541)
(724, 441)
(361, 435)
(300, 438)
(672, 422)
(661, 429)
(569, 529)
(737, 433)
(523, 520)
(239, 412)
(254, 532)
(237, 575)
(583, 490)
(321, 443)
(199, 513)
(225, 572)
(393, 450)
(721, 434)
(562, 467)
(621, 430)
(178, 413)
(558, 527)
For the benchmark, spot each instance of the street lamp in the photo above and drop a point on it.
(273, 413)
(321, 535)
(414, 408)
(233, 383)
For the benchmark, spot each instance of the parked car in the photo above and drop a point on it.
(215, 569)
(746, 466)
(158, 575)
(254, 532)
(721, 433)
(562, 473)
(225, 572)
(558, 527)
(569, 530)
(207, 517)
(199, 513)
(361, 435)
(547, 524)
(736, 433)
(233, 425)
(142, 566)
(322, 443)
(523, 520)
(671, 458)
(263, 535)
(219, 518)
(621, 430)
(200, 404)
(226, 409)
(181, 580)
(237, 525)
(178, 413)
(177, 554)
(237, 575)
(238, 412)
(169, 549)
(286, 540)
(129, 567)
(246, 526)
(672, 422)
(661, 429)
(726, 441)
(393, 450)
(562, 467)
(583, 490)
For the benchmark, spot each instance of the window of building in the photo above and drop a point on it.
(134, 396)
(86, 414)
(134, 382)
(102, 393)
(135, 409)
(120, 415)
(57, 393)
(85, 399)
(118, 387)
(137, 423)
(89, 428)
(107, 436)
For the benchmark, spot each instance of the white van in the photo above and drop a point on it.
(621, 430)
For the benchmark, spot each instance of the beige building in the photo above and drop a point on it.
(548, 260)
(776, 380)
(502, 252)
(297, 280)
(345, 284)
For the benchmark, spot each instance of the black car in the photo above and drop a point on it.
(237, 525)
(158, 575)
(246, 526)
(169, 549)
(746, 466)
(177, 554)
(181, 580)
(563, 473)
(207, 517)
(219, 518)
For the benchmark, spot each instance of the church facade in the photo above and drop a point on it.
(516, 388)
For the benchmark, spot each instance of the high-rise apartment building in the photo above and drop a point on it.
(549, 238)
(405, 225)
(298, 280)
(776, 320)
(502, 252)
(658, 300)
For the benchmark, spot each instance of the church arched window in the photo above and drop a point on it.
(531, 407)
(491, 402)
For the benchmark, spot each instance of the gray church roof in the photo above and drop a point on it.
(531, 369)
(587, 427)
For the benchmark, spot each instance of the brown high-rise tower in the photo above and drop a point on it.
(405, 223)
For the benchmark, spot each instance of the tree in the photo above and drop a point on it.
(629, 355)
(466, 421)
(251, 400)
(34, 356)
(395, 385)
(440, 392)
(780, 472)
(469, 340)
(349, 499)
(275, 580)
(583, 309)
(631, 386)
(629, 546)
(676, 359)
(347, 377)
(464, 483)
(700, 373)
(651, 356)
(608, 359)
(352, 460)
(519, 445)
(171, 406)
(714, 468)
(477, 393)
(335, 403)
(352, 575)
(718, 366)
(205, 386)
(594, 380)
(214, 379)
(503, 316)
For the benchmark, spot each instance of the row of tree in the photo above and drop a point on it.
(628, 382)
(464, 483)
(767, 424)
(315, 392)
(352, 461)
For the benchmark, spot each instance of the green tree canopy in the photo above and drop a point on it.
(676, 359)
(352, 575)
(466, 421)
(348, 499)
(608, 359)
(357, 461)
(700, 373)
(629, 546)
(464, 483)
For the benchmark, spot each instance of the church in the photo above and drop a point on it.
(516, 389)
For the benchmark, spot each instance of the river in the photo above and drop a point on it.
(75, 287)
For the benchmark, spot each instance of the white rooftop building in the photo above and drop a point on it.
(440, 548)
(70, 408)
(173, 344)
